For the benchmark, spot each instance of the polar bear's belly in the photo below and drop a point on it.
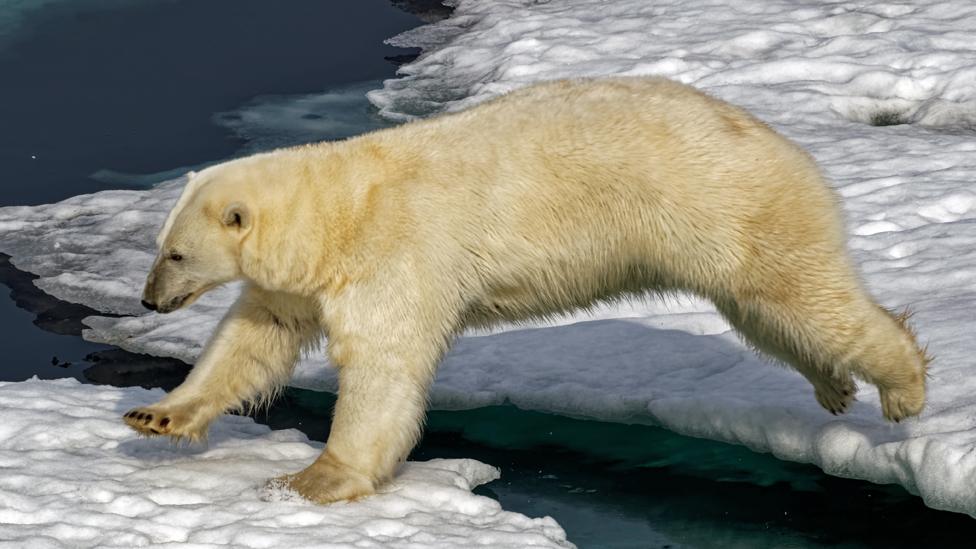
(547, 293)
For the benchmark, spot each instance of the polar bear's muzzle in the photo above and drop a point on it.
(167, 291)
(169, 306)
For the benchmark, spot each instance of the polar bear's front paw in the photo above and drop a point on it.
(326, 481)
(179, 423)
(835, 395)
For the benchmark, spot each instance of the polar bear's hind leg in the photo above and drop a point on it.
(832, 338)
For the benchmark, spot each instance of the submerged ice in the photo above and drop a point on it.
(882, 96)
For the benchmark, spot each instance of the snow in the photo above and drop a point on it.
(75, 476)
(820, 72)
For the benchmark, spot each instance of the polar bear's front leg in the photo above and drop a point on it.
(377, 421)
(386, 351)
(252, 353)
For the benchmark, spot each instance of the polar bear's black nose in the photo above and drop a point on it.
(148, 305)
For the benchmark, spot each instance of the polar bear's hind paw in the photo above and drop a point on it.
(835, 394)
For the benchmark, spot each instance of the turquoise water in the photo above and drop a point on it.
(634, 486)
(82, 114)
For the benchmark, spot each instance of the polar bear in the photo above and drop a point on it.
(545, 200)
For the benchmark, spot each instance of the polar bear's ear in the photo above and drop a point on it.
(237, 216)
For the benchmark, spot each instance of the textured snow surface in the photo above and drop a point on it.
(820, 72)
(74, 476)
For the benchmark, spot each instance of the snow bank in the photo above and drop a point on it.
(821, 73)
(75, 476)
(785, 59)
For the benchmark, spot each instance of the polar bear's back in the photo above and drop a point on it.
(645, 138)
(637, 181)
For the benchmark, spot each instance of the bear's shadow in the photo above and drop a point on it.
(605, 369)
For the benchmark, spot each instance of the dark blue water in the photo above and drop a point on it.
(95, 93)
(91, 85)
(30, 350)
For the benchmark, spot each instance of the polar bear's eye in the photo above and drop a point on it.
(176, 257)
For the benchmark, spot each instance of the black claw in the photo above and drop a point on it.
(155, 432)
(149, 416)
(164, 422)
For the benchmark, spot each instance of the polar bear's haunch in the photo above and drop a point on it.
(543, 201)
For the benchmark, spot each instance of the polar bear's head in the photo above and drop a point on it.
(199, 246)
